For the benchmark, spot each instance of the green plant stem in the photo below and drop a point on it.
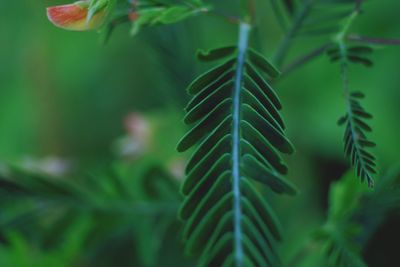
(372, 40)
(340, 38)
(304, 59)
(286, 42)
(236, 136)
(228, 18)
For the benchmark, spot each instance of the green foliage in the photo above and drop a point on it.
(19, 252)
(338, 246)
(353, 216)
(155, 12)
(378, 205)
(325, 17)
(97, 5)
(105, 206)
(339, 233)
(239, 132)
(312, 18)
(64, 97)
(344, 198)
(355, 139)
(147, 13)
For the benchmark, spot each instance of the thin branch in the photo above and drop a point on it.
(285, 43)
(229, 18)
(305, 59)
(372, 40)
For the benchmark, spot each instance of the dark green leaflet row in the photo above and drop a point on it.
(355, 139)
(208, 205)
(354, 54)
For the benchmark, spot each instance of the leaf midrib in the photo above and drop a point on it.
(236, 136)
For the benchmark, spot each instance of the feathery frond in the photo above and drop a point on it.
(355, 139)
(239, 135)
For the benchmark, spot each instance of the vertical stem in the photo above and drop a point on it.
(340, 39)
(236, 135)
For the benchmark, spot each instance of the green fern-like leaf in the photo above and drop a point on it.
(355, 139)
(239, 135)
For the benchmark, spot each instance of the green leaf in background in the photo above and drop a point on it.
(139, 202)
(339, 233)
(344, 197)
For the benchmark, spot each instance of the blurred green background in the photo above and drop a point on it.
(65, 95)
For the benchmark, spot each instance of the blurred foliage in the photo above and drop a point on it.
(127, 210)
(74, 198)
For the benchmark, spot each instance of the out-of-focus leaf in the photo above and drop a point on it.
(339, 232)
(344, 197)
(164, 13)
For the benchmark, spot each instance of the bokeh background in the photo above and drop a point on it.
(70, 104)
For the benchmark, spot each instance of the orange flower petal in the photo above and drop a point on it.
(74, 17)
